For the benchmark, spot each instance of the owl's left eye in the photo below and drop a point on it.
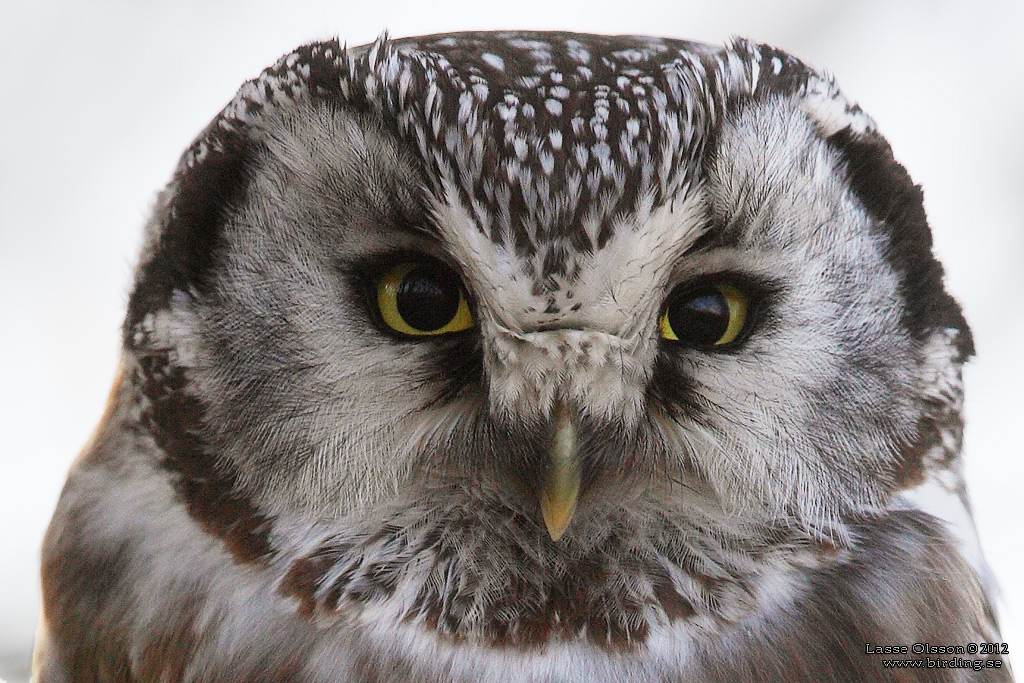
(708, 316)
(422, 299)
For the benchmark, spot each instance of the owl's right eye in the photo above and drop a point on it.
(422, 299)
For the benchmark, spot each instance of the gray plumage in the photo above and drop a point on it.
(289, 487)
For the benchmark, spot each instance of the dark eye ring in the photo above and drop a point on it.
(706, 316)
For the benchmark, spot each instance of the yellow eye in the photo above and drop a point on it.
(713, 315)
(422, 299)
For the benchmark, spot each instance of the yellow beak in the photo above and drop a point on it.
(562, 487)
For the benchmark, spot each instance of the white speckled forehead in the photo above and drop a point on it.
(547, 140)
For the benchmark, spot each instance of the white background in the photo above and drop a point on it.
(98, 99)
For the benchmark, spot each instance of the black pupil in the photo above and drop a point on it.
(428, 298)
(701, 317)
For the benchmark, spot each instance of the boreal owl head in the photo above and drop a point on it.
(455, 348)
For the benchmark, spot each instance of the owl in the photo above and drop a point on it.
(529, 357)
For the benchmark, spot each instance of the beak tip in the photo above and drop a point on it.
(557, 518)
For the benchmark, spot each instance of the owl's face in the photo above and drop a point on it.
(505, 293)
